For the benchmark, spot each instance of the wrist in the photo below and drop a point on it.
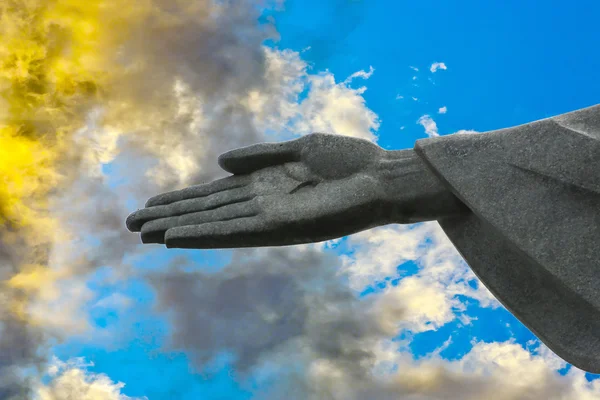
(412, 192)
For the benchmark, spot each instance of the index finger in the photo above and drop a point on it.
(205, 189)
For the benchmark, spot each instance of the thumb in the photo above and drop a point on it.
(257, 156)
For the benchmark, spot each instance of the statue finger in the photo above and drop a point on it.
(137, 219)
(235, 233)
(262, 155)
(229, 182)
(154, 231)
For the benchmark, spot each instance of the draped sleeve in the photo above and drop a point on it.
(532, 236)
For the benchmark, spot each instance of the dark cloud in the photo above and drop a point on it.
(270, 303)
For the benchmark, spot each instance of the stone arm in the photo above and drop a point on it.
(413, 193)
(311, 189)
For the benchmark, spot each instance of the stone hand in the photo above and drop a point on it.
(311, 189)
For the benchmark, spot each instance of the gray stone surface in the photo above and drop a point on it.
(522, 205)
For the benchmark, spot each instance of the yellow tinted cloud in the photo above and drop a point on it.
(57, 61)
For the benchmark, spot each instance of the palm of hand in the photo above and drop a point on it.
(311, 189)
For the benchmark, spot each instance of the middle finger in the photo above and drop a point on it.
(140, 217)
(154, 231)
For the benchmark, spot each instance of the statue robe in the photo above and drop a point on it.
(532, 236)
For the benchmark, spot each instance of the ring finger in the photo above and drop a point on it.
(154, 231)
(136, 220)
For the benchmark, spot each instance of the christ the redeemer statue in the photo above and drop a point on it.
(521, 205)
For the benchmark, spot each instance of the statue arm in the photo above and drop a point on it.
(413, 193)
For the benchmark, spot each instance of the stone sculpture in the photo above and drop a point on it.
(521, 205)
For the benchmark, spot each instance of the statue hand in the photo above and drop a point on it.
(311, 189)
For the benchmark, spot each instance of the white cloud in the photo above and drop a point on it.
(443, 110)
(431, 128)
(429, 124)
(114, 300)
(430, 294)
(495, 371)
(467, 131)
(466, 320)
(437, 65)
(360, 74)
(329, 106)
(71, 380)
(335, 108)
(398, 97)
(378, 251)
(414, 68)
(425, 304)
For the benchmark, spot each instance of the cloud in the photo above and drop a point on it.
(335, 108)
(437, 65)
(161, 142)
(20, 349)
(360, 74)
(443, 110)
(429, 124)
(71, 380)
(115, 301)
(308, 335)
(499, 371)
(466, 131)
(431, 128)
(329, 106)
(281, 297)
(379, 252)
(158, 90)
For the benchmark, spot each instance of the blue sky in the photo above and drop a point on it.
(508, 63)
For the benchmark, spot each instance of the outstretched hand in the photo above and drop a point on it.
(311, 189)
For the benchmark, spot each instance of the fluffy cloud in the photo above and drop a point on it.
(498, 371)
(308, 335)
(336, 108)
(96, 219)
(71, 380)
(329, 106)
(436, 66)
(442, 275)
(167, 109)
(443, 110)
